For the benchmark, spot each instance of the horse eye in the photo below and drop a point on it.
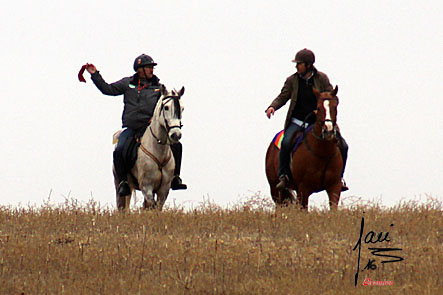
(166, 108)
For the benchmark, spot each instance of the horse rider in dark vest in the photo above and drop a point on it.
(140, 95)
(298, 89)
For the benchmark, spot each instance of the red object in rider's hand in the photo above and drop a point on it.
(82, 70)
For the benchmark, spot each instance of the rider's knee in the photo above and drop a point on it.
(286, 144)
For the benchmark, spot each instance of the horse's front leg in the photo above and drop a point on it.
(162, 195)
(163, 191)
(334, 195)
(148, 194)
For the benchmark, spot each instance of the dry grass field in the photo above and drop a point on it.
(250, 249)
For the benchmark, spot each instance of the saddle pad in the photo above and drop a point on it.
(116, 136)
(278, 138)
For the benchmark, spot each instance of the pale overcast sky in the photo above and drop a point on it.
(233, 58)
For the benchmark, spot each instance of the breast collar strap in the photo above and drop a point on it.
(156, 138)
(156, 160)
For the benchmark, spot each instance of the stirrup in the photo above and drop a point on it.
(284, 179)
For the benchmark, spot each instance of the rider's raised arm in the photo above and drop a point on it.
(284, 95)
(116, 88)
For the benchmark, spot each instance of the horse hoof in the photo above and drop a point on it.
(150, 204)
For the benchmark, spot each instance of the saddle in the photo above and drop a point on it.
(131, 147)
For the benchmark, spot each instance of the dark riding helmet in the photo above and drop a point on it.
(142, 61)
(305, 55)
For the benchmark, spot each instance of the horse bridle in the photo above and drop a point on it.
(165, 100)
(334, 124)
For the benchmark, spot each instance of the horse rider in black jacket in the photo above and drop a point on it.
(140, 96)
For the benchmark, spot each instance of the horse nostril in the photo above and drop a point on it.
(176, 136)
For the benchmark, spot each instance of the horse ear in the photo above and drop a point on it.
(182, 91)
(163, 89)
(316, 92)
(334, 92)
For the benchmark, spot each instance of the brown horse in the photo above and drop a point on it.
(316, 164)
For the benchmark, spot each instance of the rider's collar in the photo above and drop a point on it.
(154, 81)
(313, 73)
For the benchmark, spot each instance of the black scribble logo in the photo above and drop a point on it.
(372, 238)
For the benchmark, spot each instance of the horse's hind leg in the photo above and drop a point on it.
(128, 198)
(303, 199)
(286, 197)
(275, 195)
(121, 201)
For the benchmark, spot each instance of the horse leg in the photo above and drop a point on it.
(162, 195)
(275, 194)
(303, 198)
(334, 195)
(128, 197)
(287, 197)
(148, 194)
(121, 201)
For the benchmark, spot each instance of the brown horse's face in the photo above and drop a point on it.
(327, 113)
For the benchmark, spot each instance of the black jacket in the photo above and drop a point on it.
(139, 104)
(290, 92)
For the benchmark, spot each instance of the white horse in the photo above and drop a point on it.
(154, 168)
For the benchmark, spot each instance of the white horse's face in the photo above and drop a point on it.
(172, 109)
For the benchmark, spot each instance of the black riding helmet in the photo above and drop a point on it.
(142, 61)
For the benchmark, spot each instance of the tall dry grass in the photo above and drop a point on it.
(250, 249)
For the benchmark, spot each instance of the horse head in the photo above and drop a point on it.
(169, 112)
(326, 115)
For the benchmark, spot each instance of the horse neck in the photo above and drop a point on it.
(316, 129)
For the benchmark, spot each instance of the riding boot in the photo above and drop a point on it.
(284, 157)
(176, 183)
(283, 168)
(119, 166)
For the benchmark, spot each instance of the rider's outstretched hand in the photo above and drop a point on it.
(91, 68)
(270, 111)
